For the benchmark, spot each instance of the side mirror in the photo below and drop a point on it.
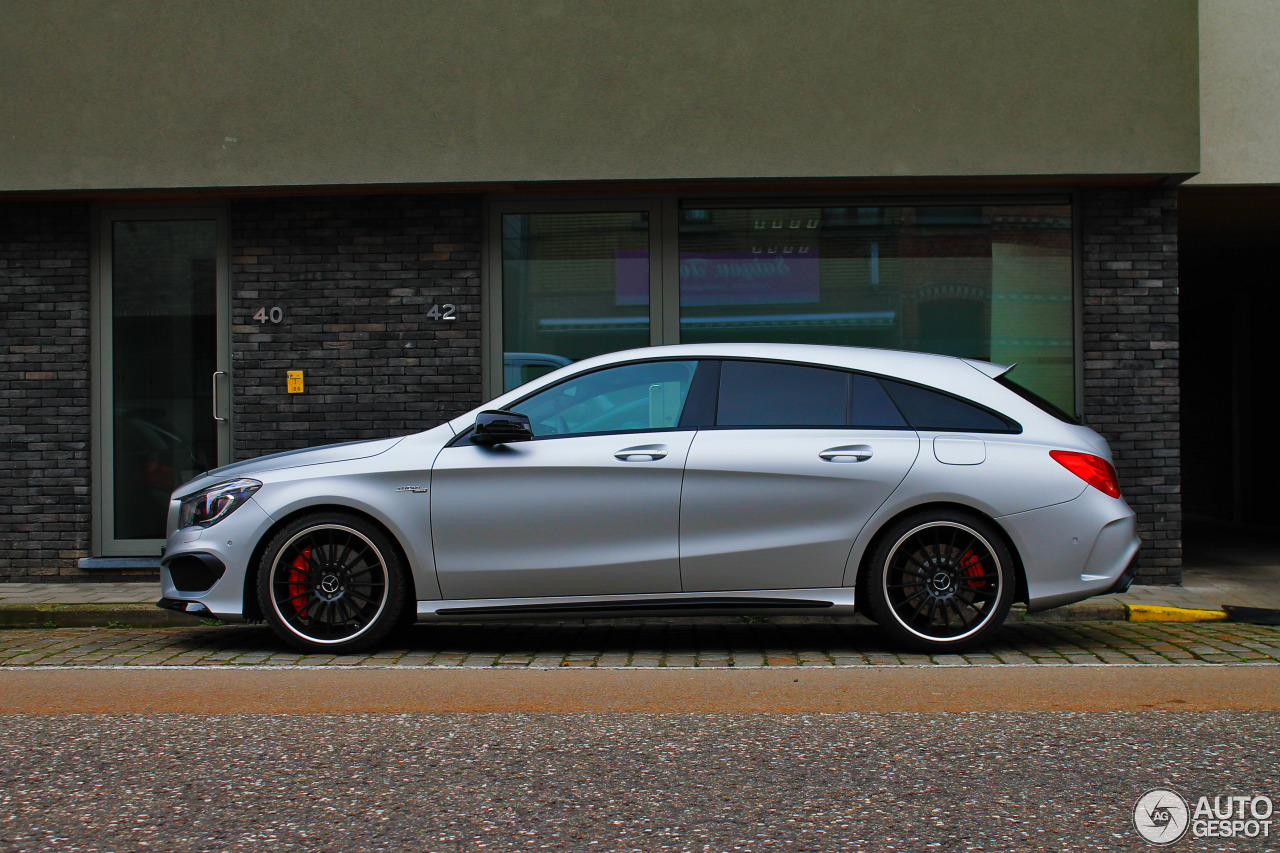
(499, 427)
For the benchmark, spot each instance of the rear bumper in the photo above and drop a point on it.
(1126, 578)
(1075, 550)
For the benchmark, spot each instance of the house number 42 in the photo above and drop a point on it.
(443, 312)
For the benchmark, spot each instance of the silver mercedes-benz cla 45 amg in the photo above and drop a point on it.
(927, 492)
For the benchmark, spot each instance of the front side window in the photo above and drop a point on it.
(628, 398)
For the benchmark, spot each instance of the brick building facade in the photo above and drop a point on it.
(354, 277)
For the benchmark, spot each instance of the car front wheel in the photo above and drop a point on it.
(941, 581)
(331, 582)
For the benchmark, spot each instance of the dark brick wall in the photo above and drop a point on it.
(44, 390)
(355, 279)
(1130, 278)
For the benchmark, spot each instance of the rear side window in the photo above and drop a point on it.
(764, 394)
(933, 410)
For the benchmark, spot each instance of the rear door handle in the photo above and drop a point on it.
(646, 453)
(851, 453)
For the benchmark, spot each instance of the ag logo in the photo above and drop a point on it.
(1161, 816)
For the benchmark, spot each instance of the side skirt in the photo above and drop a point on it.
(814, 602)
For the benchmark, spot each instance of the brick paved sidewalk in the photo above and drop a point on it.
(709, 642)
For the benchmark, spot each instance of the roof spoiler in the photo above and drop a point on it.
(993, 370)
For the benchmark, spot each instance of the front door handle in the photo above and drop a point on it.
(646, 453)
(851, 453)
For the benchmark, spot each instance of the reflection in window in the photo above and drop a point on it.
(163, 351)
(991, 282)
(630, 398)
(573, 285)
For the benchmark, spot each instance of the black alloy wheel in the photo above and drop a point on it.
(941, 581)
(332, 583)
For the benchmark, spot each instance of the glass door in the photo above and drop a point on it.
(162, 383)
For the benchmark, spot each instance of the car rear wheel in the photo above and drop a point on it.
(941, 581)
(331, 582)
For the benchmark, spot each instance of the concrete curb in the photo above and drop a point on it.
(122, 615)
(1083, 612)
(1160, 613)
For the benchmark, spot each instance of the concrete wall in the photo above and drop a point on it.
(187, 93)
(1239, 92)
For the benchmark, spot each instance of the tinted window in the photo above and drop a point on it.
(755, 393)
(630, 398)
(872, 408)
(1036, 400)
(925, 409)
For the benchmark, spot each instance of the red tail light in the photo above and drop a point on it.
(1094, 470)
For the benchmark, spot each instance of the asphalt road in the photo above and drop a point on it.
(974, 781)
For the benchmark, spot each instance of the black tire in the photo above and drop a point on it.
(331, 582)
(940, 581)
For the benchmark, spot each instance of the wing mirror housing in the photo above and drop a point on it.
(499, 427)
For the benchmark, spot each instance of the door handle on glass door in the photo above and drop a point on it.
(216, 374)
(852, 453)
(647, 453)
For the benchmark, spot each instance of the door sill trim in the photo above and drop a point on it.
(831, 601)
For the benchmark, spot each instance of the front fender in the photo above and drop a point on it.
(405, 514)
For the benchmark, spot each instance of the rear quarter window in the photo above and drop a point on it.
(927, 409)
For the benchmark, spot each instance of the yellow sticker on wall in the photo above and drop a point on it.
(295, 381)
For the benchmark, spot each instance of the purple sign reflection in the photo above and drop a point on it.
(725, 278)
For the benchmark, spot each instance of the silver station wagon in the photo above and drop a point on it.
(927, 492)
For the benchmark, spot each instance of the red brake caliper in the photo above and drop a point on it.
(971, 568)
(298, 593)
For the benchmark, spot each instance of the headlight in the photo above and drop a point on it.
(204, 509)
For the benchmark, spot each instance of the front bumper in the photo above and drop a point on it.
(193, 607)
(229, 543)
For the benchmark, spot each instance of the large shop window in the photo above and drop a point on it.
(574, 285)
(985, 281)
(991, 282)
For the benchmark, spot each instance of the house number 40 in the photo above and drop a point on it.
(275, 314)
